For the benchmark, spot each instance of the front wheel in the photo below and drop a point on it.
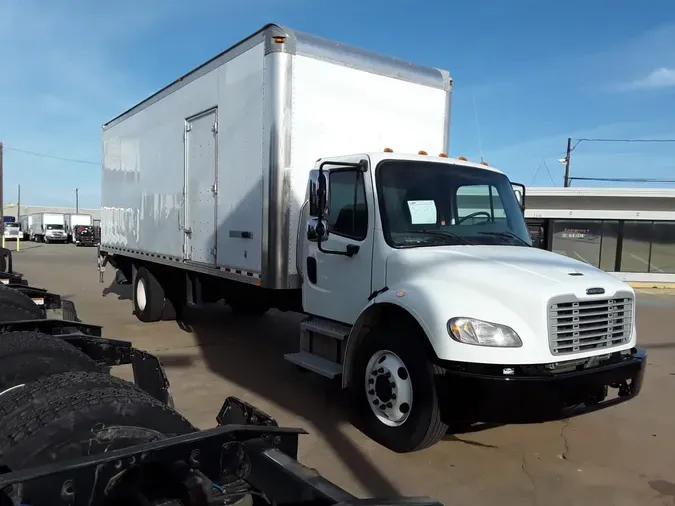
(394, 392)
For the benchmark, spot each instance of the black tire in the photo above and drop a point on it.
(10, 312)
(423, 427)
(75, 424)
(155, 297)
(3, 263)
(21, 300)
(17, 400)
(28, 356)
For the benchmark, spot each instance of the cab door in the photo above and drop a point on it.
(337, 274)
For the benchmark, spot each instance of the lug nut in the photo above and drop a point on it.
(376, 402)
(371, 381)
(393, 397)
(380, 370)
(387, 374)
(371, 391)
(389, 404)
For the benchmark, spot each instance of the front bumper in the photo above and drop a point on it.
(483, 393)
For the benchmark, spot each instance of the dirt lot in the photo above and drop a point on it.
(622, 455)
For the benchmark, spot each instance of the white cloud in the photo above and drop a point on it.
(662, 77)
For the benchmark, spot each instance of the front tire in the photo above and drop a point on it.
(394, 392)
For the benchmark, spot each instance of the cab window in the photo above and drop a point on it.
(348, 213)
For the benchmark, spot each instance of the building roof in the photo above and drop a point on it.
(600, 192)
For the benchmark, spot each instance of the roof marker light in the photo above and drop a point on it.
(443, 155)
(483, 162)
(422, 152)
(463, 158)
(388, 150)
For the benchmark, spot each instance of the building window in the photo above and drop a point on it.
(608, 245)
(637, 237)
(662, 258)
(578, 239)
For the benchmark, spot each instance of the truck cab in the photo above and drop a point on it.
(425, 268)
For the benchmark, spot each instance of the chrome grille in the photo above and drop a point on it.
(576, 326)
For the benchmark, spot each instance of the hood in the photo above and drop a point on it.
(509, 285)
(501, 270)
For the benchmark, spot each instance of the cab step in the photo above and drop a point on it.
(326, 328)
(315, 363)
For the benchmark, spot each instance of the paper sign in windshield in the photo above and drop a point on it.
(422, 212)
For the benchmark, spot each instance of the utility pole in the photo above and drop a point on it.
(77, 201)
(566, 183)
(18, 205)
(2, 202)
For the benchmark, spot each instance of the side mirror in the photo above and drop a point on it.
(316, 230)
(519, 190)
(318, 193)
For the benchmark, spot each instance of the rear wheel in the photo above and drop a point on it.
(150, 301)
(393, 390)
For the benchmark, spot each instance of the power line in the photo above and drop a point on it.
(549, 173)
(53, 157)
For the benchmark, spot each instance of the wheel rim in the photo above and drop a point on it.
(141, 300)
(388, 388)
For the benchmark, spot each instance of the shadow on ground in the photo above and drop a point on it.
(249, 352)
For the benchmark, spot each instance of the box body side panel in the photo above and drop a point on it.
(143, 181)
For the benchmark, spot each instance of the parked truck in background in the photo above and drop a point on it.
(25, 221)
(12, 230)
(72, 221)
(278, 175)
(48, 227)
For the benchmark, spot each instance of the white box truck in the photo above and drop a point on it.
(25, 221)
(72, 221)
(48, 227)
(261, 178)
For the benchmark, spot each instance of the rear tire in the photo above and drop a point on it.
(149, 297)
(391, 369)
(74, 424)
(28, 356)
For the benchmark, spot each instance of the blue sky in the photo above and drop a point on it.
(528, 74)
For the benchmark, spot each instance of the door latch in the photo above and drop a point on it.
(188, 231)
(214, 188)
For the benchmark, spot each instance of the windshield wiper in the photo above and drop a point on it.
(443, 233)
(510, 235)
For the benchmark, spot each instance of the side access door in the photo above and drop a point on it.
(201, 187)
(337, 272)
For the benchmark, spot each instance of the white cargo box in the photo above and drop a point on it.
(211, 171)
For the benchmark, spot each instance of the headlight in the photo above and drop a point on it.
(470, 331)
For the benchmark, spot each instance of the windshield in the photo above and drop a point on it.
(431, 204)
(54, 227)
(11, 225)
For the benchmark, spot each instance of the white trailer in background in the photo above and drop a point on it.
(48, 227)
(262, 178)
(25, 221)
(74, 220)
